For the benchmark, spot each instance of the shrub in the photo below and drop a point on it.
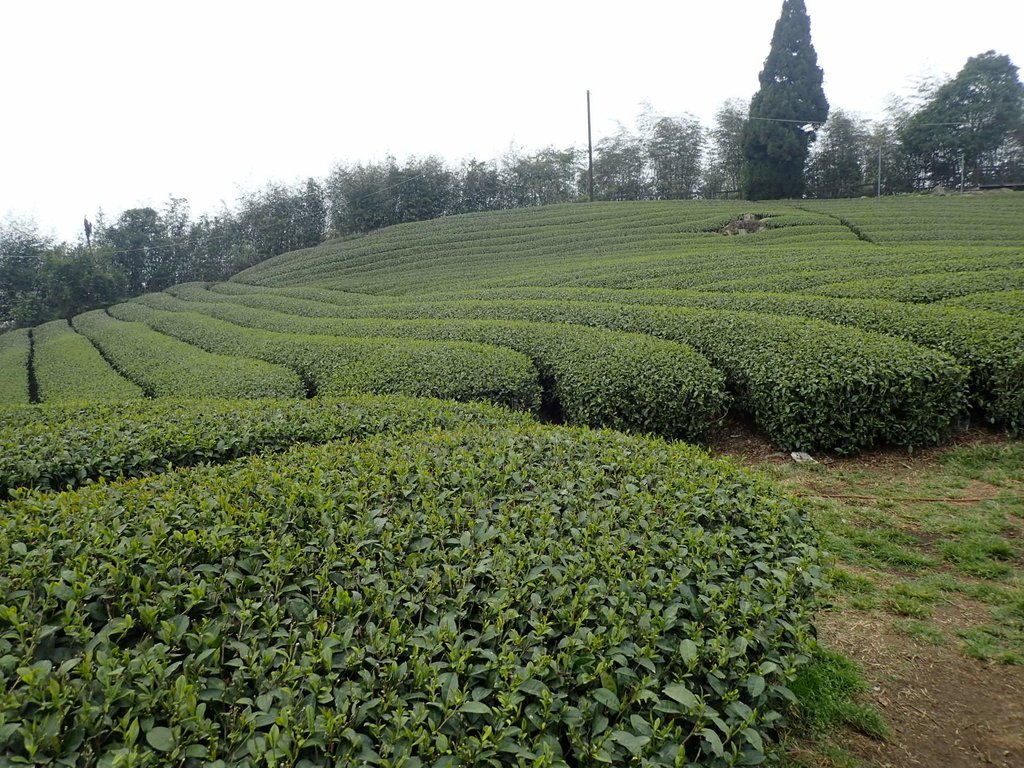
(68, 368)
(163, 366)
(479, 596)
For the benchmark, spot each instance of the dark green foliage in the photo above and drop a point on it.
(41, 280)
(485, 596)
(58, 447)
(165, 367)
(69, 368)
(975, 114)
(594, 377)
(775, 142)
(15, 348)
(138, 239)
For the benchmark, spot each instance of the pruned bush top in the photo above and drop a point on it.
(482, 596)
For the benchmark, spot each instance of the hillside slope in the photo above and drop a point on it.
(833, 325)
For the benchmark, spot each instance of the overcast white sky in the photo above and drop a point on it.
(120, 104)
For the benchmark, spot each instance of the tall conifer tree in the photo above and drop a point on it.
(784, 111)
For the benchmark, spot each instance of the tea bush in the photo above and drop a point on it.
(338, 366)
(595, 377)
(166, 367)
(69, 368)
(809, 385)
(15, 349)
(989, 345)
(481, 596)
(57, 447)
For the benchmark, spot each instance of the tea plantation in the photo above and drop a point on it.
(320, 515)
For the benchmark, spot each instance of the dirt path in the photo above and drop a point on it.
(943, 709)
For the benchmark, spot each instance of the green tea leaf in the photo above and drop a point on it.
(161, 739)
(682, 694)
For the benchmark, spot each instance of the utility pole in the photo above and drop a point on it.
(961, 171)
(590, 152)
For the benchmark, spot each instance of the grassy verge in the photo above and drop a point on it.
(929, 565)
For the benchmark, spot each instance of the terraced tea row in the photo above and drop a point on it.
(491, 594)
(56, 447)
(339, 365)
(899, 278)
(1005, 302)
(166, 367)
(660, 245)
(69, 368)
(595, 377)
(954, 219)
(989, 345)
(809, 385)
(15, 351)
(553, 231)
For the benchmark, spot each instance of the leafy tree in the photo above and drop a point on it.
(421, 189)
(725, 158)
(76, 279)
(479, 188)
(22, 247)
(281, 218)
(309, 214)
(894, 170)
(838, 165)
(674, 148)
(545, 177)
(358, 197)
(620, 167)
(138, 241)
(784, 111)
(41, 280)
(967, 120)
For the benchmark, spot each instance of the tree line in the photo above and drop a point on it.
(969, 129)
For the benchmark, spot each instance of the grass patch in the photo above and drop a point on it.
(827, 690)
(920, 631)
(959, 553)
(1002, 641)
(994, 464)
(979, 554)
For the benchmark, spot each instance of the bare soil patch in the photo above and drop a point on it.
(943, 709)
(738, 439)
(745, 225)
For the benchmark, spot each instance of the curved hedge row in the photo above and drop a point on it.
(596, 377)
(809, 385)
(1004, 302)
(536, 235)
(56, 447)
(68, 367)
(505, 597)
(15, 350)
(166, 367)
(989, 345)
(342, 366)
(925, 288)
